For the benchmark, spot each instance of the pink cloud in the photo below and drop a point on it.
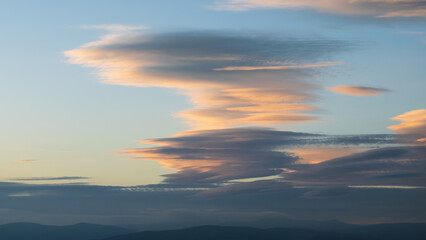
(377, 8)
(357, 90)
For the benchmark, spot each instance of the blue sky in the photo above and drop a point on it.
(74, 113)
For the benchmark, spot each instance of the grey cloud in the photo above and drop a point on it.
(222, 155)
(245, 188)
(204, 51)
(327, 192)
(384, 166)
(263, 203)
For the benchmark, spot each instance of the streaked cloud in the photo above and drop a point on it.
(223, 155)
(318, 155)
(47, 178)
(27, 160)
(211, 69)
(412, 32)
(390, 166)
(358, 90)
(388, 187)
(254, 68)
(375, 8)
(412, 126)
(405, 13)
(114, 27)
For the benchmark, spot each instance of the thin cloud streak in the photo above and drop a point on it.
(255, 68)
(114, 27)
(375, 8)
(47, 178)
(405, 13)
(27, 160)
(358, 90)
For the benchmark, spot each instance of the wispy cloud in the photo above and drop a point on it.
(358, 90)
(27, 160)
(405, 13)
(376, 8)
(47, 178)
(115, 27)
(255, 68)
(412, 32)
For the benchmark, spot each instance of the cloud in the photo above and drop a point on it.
(403, 165)
(245, 188)
(47, 178)
(27, 160)
(261, 204)
(255, 68)
(115, 27)
(412, 126)
(412, 32)
(317, 155)
(376, 8)
(358, 90)
(208, 68)
(223, 155)
(327, 192)
(237, 81)
(406, 13)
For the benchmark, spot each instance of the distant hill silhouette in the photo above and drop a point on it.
(81, 231)
(234, 233)
(394, 231)
(85, 231)
(372, 232)
(330, 225)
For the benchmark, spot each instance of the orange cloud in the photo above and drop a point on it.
(254, 68)
(357, 90)
(413, 125)
(209, 69)
(318, 155)
(378, 8)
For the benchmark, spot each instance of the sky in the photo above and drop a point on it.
(186, 112)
